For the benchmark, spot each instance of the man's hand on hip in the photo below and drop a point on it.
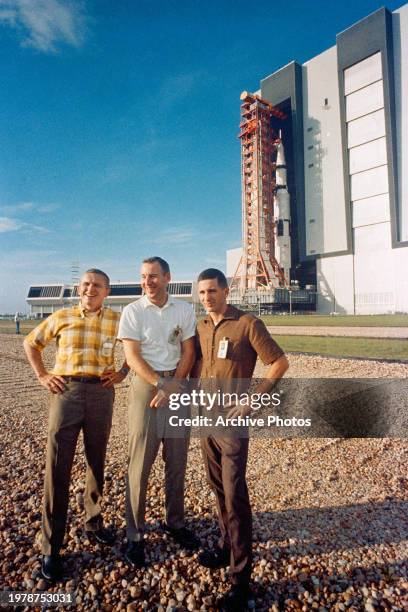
(52, 382)
(109, 379)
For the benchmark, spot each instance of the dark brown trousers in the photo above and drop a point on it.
(86, 407)
(225, 461)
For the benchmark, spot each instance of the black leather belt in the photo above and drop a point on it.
(166, 373)
(90, 380)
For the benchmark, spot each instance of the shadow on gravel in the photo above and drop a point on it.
(322, 531)
(284, 593)
(313, 532)
(319, 530)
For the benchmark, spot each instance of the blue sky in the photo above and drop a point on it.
(119, 122)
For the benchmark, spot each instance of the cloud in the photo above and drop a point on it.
(22, 207)
(44, 24)
(8, 224)
(174, 236)
(37, 228)
(16, 208)
(47, 208)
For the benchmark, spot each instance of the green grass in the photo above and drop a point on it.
(342, 347)
(8, 327)
(338, 320)
(346, 347)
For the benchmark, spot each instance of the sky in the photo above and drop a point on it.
(119, 123)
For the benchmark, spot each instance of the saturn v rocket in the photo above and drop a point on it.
(266, 255)
(281, 213)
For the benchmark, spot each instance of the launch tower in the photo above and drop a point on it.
(258, 269)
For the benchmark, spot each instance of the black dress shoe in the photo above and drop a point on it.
(184, 537)
(134, 554)
(235, 600)
(219, 557)
(102, 535)
(51, 567)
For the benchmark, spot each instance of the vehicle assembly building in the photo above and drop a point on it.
(324, 162)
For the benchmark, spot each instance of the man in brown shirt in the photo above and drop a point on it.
(230, 342)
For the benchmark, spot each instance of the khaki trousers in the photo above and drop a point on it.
(225, 462)
(86, 407)
(148, 428)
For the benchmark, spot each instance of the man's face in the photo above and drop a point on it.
(212, 296)
(154, 281)
(92, 291)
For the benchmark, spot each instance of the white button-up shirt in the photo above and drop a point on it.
(160, 331)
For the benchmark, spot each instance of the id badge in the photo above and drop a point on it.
(175, 335)
(222, 349)
(107, 348)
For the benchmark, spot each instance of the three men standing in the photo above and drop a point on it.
(158, 334)
(230, 342)
(81, 385)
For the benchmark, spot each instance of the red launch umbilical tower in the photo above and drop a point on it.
(258, 270)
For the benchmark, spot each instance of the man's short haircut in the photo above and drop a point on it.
(100, 272)
(162, 263)
(211, 273)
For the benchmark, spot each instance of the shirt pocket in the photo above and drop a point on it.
(236, 350)
(107, 347)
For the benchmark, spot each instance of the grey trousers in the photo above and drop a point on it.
(148, 428)
(81, 406)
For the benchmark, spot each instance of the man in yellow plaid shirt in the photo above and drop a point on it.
(82, 393)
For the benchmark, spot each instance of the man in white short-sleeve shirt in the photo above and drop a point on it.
(158, 334)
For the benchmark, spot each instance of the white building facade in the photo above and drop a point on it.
(348, 113)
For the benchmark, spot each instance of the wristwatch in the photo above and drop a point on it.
(159, 384)
(124, 370)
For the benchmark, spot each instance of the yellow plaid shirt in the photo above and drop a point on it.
(85, 343)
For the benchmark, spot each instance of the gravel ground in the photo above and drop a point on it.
(330, 515)
(352, 332)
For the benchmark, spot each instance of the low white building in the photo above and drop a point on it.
(45, 299)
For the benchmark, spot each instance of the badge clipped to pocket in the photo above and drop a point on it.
(107, 348)
(175, 335)
(222, 348)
